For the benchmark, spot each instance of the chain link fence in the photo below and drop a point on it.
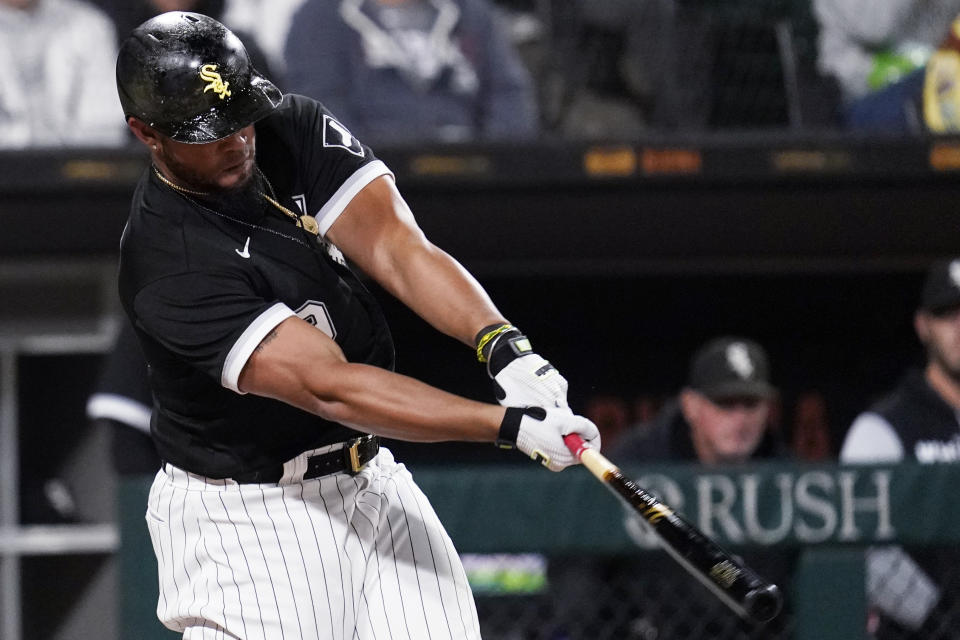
(646, 596)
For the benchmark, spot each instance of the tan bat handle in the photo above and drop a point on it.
(592, 459)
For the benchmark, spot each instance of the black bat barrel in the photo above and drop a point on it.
(763, 604)
(728, 577)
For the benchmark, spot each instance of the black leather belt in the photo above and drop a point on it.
(350, 458)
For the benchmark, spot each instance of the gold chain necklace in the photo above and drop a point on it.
(309, 223)
(306, 222)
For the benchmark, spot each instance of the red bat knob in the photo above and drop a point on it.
(575, 443)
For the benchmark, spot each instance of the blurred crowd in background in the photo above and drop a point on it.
(417, 71)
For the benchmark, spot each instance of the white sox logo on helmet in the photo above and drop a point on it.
(208, 73)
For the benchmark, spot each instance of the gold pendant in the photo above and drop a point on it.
(310, 224)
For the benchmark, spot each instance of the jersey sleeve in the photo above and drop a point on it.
(211, 321)
(335, 164)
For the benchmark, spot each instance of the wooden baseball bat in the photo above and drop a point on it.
(735, 584)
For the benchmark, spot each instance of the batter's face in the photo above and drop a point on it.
(222, 166)
(725, 431)
(940, 334)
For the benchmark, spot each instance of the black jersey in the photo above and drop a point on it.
(927, 426)
(204, 283)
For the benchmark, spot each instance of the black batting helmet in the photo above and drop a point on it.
(190, 78)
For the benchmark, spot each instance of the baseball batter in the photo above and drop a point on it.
(276, 514)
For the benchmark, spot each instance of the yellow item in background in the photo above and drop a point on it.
(941, 92)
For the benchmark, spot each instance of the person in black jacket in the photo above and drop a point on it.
(721, 416)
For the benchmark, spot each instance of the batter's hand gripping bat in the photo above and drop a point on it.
(733, 582)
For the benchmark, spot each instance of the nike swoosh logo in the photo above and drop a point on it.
(245, 253)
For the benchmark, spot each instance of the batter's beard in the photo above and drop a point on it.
(196, 182)
(243, 200)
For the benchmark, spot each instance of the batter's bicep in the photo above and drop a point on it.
(294, 363)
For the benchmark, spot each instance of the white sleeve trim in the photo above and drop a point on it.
(248, 341)
(871, 439)
(120, 408)
(363, 176)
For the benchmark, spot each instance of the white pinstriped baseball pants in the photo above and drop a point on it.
(341, 557)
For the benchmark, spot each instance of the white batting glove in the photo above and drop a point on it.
(521, 378)
(538, 432)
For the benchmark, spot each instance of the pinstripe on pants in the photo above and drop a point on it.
(338, 557)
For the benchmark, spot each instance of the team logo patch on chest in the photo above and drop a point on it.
(337, 135)
(316, 313)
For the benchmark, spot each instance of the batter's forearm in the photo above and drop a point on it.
(392, 405)
(378, 233)
(442, 292)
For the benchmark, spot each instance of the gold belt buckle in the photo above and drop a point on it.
(353, 453)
